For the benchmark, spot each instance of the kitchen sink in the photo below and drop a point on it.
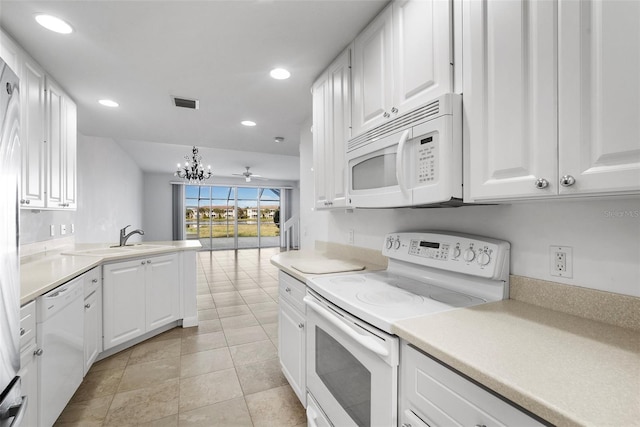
(117, 250)
(140, 246)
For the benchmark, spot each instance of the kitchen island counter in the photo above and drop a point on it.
(566, 369)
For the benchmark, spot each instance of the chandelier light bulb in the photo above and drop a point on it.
(194, 173)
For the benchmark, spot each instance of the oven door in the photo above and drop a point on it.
(352, 367)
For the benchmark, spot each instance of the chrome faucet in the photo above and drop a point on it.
(124, 237)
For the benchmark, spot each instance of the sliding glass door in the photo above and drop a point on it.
(231, 217)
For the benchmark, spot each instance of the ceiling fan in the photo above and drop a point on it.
(248, 175)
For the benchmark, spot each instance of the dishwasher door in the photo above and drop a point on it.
(60, 333)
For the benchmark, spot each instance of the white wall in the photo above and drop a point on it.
(158, 199)
(604, 234)
(110, 191)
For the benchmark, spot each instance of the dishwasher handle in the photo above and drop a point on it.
(367, 342)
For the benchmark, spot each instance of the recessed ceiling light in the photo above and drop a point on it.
(108, 103)
(280, 74)
(54, 24)
(248, 123)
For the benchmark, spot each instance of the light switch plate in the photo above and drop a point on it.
(63, 229)
(52, 230)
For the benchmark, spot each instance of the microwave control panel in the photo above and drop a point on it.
(426, 147)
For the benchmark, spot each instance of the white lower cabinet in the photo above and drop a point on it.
(29, 362)
(92, 317)
(433, 395)
(291, 334)
(139, 296)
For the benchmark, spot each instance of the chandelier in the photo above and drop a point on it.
(193, 170)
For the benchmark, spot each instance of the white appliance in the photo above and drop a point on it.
(352, 355)
(60, 331)
(12, 403)
(413, 160)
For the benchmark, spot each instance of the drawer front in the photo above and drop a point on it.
(441, 397)
(92, 280)
(27, 324)
(292, 290)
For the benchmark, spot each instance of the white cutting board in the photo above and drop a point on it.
(326, 266)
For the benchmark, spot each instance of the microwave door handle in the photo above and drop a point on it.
(367, 342)
(400, 161)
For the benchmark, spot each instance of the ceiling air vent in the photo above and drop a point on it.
(193, 104)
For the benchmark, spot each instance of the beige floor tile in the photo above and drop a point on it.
(205, 302)
(260, 376)
(271, 329)
(204, 362)
(170, 421)
(204, 327)
(263, 306)
(208, 389)
(98, 384)
(277, 407)
(88, 412)
(222, 289)
(245, 335)
(209, 314)
(202, 342)
(245, 354)
(174, 333)
(236, 322)
(265, 317)
(118, 360)
(230, 413)
(233, 311)
(144, 405)
(254, 299)
(229, 302)
(148, 351)
(147, 374)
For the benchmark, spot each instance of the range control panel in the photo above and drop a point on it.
(463, 253)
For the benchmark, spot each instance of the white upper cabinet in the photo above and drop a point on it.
(510, 98)
(551, 99)
(69, 184)
(32, 123)
(331, 130)
(599, 83)
(401, 60)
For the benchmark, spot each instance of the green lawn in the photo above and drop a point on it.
(244, 230)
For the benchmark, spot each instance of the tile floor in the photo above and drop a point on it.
(225, 372)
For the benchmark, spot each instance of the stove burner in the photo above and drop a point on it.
(389, 297)
(348, 279)
(452, 298)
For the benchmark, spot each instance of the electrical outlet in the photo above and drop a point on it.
(63, 229)
(561, 261)
(52, 230)
(351, 237)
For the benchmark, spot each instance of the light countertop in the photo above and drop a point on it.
(44, 271)
(566, 369)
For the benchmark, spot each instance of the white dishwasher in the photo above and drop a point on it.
(60, 332)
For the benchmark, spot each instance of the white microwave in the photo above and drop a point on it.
(413, 160)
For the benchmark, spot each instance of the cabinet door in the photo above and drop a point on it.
(29, 378)
(55, 141)
(70, 123)
(92, 328)
(422, 60)
(320, 135)
(599, 83)
(124, 302)
(291, 348)
(372, 74)
(339, 75)
(162, 290)
(32, 100)
(510, 98)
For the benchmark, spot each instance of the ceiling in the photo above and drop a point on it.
(140, 53)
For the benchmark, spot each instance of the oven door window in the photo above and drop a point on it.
(348, 380)
(378, 171)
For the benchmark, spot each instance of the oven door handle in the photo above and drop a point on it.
(400, 162)
(367, 342)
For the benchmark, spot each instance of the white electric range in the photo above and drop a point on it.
(352, 355)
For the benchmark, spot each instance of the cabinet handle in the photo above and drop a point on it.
(149, 261)
(406, 425)
(394, 110)
(38, 352)
(541, 183)
(22, 331)
(386, 115)
(94, 281)
(25, 201)
(288, 290)
(143, 262)
(300, 325)
(567, 181)
(87, 306)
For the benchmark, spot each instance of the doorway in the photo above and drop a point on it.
(233, 217)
